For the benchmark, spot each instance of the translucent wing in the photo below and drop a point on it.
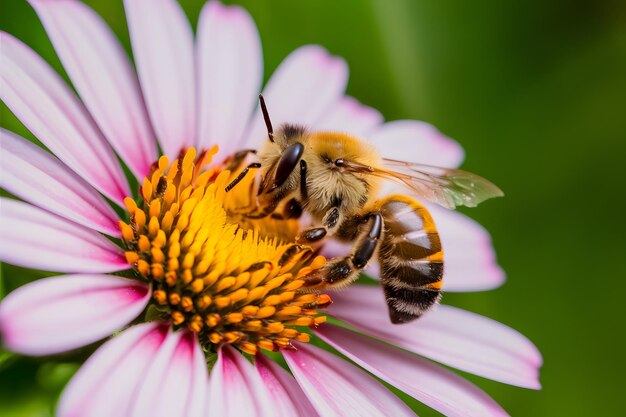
(447, 187)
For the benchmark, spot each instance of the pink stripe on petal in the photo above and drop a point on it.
(230, 71)
(287, 396)
(338, 388)
(107, 384)
(35, 238)
(101, 72)
(196, 406)
(455, 337)
(162, 43)
(431, 384)
(304, 87)
(469, 258)
(413, 141)
(176, 382)
(57, 314)
(36, 176)
(48, 108)
(350, 116)
(236, 389)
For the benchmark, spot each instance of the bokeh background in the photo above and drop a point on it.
(535, 91)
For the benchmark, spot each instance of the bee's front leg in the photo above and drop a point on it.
(343, 271)
(291, 210)
(330, 222)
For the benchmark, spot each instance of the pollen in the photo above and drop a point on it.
(228, 279)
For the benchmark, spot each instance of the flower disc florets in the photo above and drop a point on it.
(227, 283)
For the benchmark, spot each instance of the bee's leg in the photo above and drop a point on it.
(241, 176)
(304, 190)
(260, 214)
(292, 210)
(330, 223)
(343, 271)
(266, 208)
(312, 235)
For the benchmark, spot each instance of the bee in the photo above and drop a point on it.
(334, 177)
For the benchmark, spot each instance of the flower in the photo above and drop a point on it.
(193, 284)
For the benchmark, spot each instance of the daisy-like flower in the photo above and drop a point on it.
(176, 280)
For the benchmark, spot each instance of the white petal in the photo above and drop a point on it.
(413, 141)
(162, 43)
(101, 72)
(336, 387)
(230, 71)
(35, 238)
(469, 258)
(106, 385)
(62, 313)
(176, 381)
(236, 388)
(49, 109)
(455, 337)
(287, 396)
(433, 385)
(349, 116)
(36, 176)
(304, 87)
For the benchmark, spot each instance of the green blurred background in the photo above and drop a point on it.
(536, 93)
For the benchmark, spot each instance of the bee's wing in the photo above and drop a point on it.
(447, 187)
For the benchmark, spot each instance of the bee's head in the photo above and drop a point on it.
(280, 156)
(283, 165)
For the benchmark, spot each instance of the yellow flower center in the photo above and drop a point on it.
(227, 279)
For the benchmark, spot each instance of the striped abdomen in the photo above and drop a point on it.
(411, 259)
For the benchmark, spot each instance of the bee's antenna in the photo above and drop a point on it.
(266, 117)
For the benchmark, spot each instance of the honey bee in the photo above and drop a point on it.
(334, 177)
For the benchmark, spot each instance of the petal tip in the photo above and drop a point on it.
(222, 11)
(321, 56)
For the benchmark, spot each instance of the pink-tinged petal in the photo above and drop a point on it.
(162, 43)
(107, 384)
(469, 258)
(103, 76)
(62, 313)
(304, 87)
(350, 116)
(176, 382)
(431, 384)
(287, 396)
(455, 337)
(236, 389)
(413, 141)
(207, 397)
(35, 238)
(48, 108)
(36, 176)
(336, 387)
(200, 383)
(230, 71)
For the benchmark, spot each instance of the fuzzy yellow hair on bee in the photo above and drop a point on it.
(335, 177)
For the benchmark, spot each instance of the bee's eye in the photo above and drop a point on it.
(287, 163)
